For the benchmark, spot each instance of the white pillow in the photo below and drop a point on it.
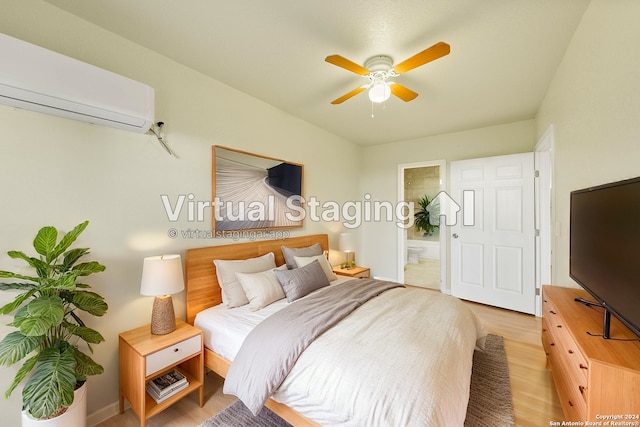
(324, 263)
(232, 293)
(261, 288)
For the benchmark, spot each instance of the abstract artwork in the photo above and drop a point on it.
(255, 192)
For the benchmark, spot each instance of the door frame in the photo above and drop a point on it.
(402, 233)
(543, 155)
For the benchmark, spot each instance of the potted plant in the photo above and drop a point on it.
(422, 217)
(49, 327)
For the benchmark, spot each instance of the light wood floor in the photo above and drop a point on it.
(534, 397)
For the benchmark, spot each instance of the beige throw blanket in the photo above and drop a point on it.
(273, 347)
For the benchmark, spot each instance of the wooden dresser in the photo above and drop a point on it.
(594, 377)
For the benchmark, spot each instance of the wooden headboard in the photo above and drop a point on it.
(202, 288)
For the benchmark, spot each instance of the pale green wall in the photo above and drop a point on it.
(594, 105)
(60, 172)
(379, 177)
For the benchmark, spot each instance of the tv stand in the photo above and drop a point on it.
(606, 327)
(592, 376)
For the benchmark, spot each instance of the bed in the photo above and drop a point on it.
(403, 357)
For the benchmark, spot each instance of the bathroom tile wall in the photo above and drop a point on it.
(417, 183)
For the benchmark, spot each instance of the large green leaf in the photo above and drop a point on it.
(88, 268)
(17, 302)
(17, 285)
(52, 383)
(88, 301)
(89, 335)
(40, 315)
(16, 346)
(64, 282)
(41, 267)
(27, 366)
(45, 241)
(85, 365)
(10, 275)
(68, 239)
(72, 256)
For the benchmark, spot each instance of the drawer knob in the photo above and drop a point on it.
(570, 351)
(581, 388)
(552, 312)
(582, 366)
(175, 350)
(570, 404)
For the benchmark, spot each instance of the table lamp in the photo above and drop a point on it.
(161, 277)
(347, 245)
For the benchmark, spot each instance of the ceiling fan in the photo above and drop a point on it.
(379, 69)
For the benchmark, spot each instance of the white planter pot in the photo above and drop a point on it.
(75, 416)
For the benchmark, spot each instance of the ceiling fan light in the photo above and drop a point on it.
(379, 92)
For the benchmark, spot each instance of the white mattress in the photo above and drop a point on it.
(226, 328)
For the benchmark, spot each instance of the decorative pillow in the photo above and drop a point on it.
(261, 288)
(302, 281)
(301, 261)
(289, 253)
(232, 293)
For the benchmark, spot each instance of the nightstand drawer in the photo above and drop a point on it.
(170, 355)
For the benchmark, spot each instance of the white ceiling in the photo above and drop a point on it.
(503, 54)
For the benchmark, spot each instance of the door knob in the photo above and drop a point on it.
(455, 235)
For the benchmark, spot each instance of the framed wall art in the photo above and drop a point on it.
(255, 192)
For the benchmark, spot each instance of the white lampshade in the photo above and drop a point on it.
(379, 92)
(162, 275)
(346, 243)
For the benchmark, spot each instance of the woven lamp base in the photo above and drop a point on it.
(163, 318)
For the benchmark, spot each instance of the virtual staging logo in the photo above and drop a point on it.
(443, 210)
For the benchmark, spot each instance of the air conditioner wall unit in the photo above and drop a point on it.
(38, 79)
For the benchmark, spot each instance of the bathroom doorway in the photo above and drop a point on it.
(422, 255)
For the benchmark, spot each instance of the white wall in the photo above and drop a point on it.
(594, 103)
(60, 172)
(379, 177)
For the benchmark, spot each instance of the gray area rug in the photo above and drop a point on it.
(489, 402)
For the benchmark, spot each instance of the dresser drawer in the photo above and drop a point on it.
(548, 340)
(173, 354)
(571, 391)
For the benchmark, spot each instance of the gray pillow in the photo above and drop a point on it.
(302, 281)
(289, 253)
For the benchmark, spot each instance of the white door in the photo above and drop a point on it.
(493, 240)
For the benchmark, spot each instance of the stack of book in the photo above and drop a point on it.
(166, 385)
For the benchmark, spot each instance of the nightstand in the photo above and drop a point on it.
(144, 356)
(357, 272)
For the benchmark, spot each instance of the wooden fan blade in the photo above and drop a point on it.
(346, 64)
(434, 52)
(348, 95)
(403, 92)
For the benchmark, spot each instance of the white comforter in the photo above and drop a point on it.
(402, 359)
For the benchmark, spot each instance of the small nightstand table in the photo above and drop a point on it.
(357, 272)
(144, 356)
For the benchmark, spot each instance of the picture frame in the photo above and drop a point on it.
(255, 192)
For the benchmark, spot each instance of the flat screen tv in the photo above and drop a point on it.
(605, 248)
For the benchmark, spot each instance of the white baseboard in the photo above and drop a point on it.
(105, 413)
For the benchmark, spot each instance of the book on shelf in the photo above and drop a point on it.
(160, 398)
(167, 382)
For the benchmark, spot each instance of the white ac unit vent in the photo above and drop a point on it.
(38, 79)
